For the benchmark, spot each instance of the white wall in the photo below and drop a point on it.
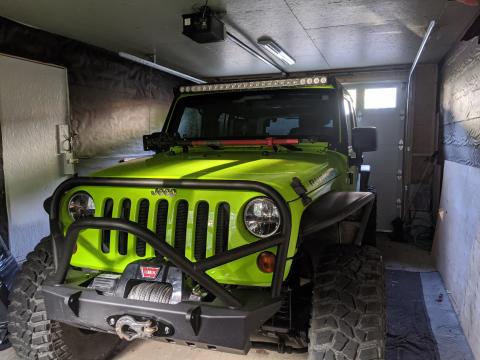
(33, 101)
(457, 245)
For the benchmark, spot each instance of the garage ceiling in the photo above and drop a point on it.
(319, 34)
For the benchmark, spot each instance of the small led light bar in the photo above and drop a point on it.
(263, 84)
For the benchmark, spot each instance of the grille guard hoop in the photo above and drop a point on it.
(63, 245)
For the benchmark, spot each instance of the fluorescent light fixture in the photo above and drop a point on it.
(273, 48)
(253, 52)
(160, 67)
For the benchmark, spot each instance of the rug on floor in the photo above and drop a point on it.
(409, 335)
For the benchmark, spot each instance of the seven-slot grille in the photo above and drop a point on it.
(177, 212)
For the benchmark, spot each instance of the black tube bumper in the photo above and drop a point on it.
(225, 324)
(63, 246)
(205, 325)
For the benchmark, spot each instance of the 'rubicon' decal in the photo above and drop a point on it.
(323, 178)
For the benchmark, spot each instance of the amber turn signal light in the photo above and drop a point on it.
(266, 262)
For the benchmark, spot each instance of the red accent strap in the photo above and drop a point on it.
(253, 142)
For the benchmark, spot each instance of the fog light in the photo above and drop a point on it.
(266, 262)
(81, 205)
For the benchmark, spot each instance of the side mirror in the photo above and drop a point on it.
(364, 139)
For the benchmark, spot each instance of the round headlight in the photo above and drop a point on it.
(262, 217)
(81, 205)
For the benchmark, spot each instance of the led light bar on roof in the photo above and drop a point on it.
(263, 84)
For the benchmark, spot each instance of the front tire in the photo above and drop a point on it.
(348, 310)
(32, 334)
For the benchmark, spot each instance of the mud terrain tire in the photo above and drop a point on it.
(348, 310)
(32, 334)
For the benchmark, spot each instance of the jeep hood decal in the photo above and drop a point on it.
(275, 169)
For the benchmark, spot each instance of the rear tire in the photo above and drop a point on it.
(348, 310)
(32, 334)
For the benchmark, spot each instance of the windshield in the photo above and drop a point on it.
(297, 113)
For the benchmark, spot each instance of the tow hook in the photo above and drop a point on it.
(129, 329)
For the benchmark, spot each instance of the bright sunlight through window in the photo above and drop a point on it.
(380, 98)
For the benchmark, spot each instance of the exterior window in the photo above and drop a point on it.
(380, 98)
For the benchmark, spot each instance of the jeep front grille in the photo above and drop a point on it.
(143, 221)
(180, 236)
(170, 220)
(201, 228)
(107, 212)
(161, 220)
(223, 223)
(123, 236)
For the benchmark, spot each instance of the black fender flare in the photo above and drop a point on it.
(334, 207)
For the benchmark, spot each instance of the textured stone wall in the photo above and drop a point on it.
(457, 239)
(460, 104)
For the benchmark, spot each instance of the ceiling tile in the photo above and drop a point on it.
(314, 14)
(319, 34)
(361, 45)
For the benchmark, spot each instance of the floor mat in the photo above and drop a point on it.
(409, 335)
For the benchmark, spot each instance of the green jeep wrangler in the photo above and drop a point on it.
(251, 226)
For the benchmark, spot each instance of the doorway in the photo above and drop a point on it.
(383, 105)
(33, 104)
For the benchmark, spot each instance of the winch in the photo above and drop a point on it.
(151, 280)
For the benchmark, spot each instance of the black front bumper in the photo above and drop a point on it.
(210, 326)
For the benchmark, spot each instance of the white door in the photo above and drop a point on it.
(383, 105)
(33, 102)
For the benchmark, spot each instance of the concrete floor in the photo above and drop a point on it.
(153, 349)
(157, 350)
(396, 256)
(402, 256)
